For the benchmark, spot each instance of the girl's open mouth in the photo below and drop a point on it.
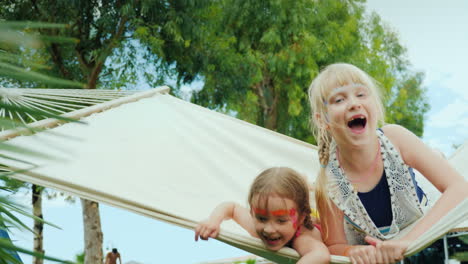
(357, 124)
(272, 241)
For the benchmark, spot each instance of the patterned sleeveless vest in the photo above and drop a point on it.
(406, 208)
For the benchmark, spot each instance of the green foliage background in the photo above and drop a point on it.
(255, 59)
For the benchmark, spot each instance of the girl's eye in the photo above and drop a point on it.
(262, 219)
(282, 221)
(338, 100)
(361, 94)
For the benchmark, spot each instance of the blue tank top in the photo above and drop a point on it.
(377, 201)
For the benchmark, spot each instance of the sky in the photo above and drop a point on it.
(436, 38)
(434, 33)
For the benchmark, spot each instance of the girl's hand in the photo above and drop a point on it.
(363, 255)
(389, 251)
(207, 228)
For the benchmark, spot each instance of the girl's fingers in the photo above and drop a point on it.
(205, 230)
(206, 234)
(210, 233)
(359, 260)
(400, 255)
(393, 255)
(362, 255)
(378, 257)
(386, 258)
(373, 256)
(197, 233)
(202, 232)
(365, 259)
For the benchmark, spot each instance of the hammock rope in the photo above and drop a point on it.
(53, 101)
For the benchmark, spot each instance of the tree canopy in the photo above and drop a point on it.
(257, 58)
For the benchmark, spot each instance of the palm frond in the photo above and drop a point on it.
(16, 113)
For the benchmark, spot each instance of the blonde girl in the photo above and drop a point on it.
(366, 191)
(279, 215)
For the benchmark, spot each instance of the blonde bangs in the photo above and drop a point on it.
(337, 75)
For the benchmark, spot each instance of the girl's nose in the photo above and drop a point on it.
(354, 103)
(269, 228)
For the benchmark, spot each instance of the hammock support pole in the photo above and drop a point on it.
(446, 254)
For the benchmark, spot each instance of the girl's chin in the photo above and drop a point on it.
(273, 245)
(274, 248)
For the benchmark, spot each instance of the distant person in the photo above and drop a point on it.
(111, 257)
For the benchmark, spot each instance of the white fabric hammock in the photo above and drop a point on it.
(174, 161)
(459, 161)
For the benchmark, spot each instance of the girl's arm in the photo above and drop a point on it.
(436, 169)
(334, 237)
(310, 247)
(337, 243)
(225, 211)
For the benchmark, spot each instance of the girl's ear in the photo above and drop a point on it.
(322, 121)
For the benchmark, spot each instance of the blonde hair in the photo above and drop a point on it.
(286, 183)
(334, 75)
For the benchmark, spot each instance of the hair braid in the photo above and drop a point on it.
(324, 149)
(308, 223)
(321, 192)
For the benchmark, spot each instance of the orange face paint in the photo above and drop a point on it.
(281, 212)
(260, 211)
(291, 212)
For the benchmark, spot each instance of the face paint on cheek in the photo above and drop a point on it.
(293, 215)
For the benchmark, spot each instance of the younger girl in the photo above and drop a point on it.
(279, 215)
(366, 191)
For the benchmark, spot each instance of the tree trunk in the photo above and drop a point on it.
(268, 103)
(92, 232)
(38, 225)
(271, 120)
